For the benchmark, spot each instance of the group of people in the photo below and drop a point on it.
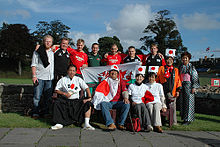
(56, 69)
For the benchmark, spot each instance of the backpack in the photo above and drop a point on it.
(136, 125)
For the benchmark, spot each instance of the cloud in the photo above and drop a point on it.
(88, 38)
(200, 21)
(130, 24)
(19, 12)
(47, 6)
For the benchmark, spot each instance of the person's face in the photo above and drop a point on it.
(71, 72)
(48, 42)
(114, 49)
(151, 79)
(169, 61)
(64, 44)
(113, 74)
(139, 79)
(95, 49)
(80, 46)
(131, 52)
(154, 50)
(185, 60)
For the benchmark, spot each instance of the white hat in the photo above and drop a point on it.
(114, 67)
(170, 52)
(141, 70)
(153, 69)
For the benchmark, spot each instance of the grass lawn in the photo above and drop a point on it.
(202, 123)
(15, 81)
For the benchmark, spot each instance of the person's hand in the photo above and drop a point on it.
(133, 103)
(161, 55)
(67, 94)
(84, 66)
(193, 90)
(177, 94)
(106, 55)
(37, 47)
(126, 101)
(34, 80)
(164, 109)
(86, 100)
(119, 52)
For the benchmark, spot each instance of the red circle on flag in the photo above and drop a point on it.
(140, 69)
(152, 68)
(115, 67)
(72, 86)
(170, 52)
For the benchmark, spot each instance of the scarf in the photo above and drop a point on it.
(168, 71)
(43, 55)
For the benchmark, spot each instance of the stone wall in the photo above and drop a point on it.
(16, 98)
(19, 98)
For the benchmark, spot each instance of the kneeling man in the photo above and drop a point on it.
(112, 94)
(68, 108)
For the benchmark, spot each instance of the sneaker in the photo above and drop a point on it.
(149, 128)
(57, 126)
(89, 128)
(111, 127)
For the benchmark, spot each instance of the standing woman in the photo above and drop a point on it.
(190, 81)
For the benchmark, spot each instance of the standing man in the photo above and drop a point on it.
(132, 57)
(42, 75)
(61, 60)
(114, 58)
(78, 57)
(94, 59)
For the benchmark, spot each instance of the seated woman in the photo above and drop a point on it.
(137, 92)
(155, 106)
(68, 108)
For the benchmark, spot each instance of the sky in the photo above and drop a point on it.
(198, 21)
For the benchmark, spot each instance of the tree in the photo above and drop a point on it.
(16, 43)
(163, 31)
(55, 28)
(105, 44)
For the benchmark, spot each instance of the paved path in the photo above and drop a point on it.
(43, 137)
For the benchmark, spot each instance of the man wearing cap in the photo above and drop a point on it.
(139, 95)
(154, 107)
(169, 77)
(112, 94)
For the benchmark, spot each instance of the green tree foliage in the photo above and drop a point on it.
(16, 43)
(163, 31)
(105, 44)
(55, 28)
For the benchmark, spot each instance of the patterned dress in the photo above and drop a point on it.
(190, 80)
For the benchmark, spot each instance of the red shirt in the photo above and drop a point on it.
(113, 59)
(78, 58)
(121, 88)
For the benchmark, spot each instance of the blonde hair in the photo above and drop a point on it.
(80, 41)
(47, 36)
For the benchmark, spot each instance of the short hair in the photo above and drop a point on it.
(138, 75)
(71, 65)
(153, 44)
(150, 74)
(80, 41)
(167, 57)
(114, 44)
(186, 54)
(47, 36)
(65, 38)
(94, 44)
(131, 47)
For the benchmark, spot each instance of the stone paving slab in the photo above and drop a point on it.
(3, 132)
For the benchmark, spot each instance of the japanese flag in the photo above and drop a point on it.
(153, 69)
(170, 52)
(141, 70)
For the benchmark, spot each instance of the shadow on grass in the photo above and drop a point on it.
(207, 119)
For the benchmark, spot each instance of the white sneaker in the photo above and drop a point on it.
(57, 126)
(149, 128)
(89, 128)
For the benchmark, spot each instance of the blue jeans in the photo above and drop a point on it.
(120, 106)
(44, 87)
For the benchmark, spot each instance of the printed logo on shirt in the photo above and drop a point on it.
(113, 60)
(79, 58)
(59, 54)
(158, 60)
(67, 56)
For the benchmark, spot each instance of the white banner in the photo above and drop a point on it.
(97, 74)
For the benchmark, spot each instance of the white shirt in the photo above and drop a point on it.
(41, 72)
(157, 91)
(73, 86)
(137, 92)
